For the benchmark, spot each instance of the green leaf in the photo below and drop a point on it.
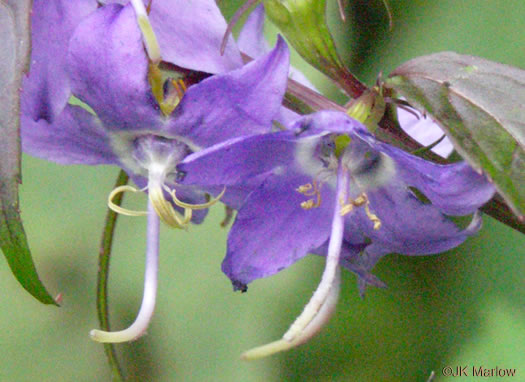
(14, 50)
(481, 106)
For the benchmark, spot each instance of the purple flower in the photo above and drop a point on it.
(143, 115)
(331, 188)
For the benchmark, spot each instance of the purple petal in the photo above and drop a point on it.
(190, 35)
(75, 137)
(409, 226)
(456, 189)
(239, 103)
(236, 194)
(333, 121)
(237, 160)
(272, 231)
(46, 89)
(354, 256)
(359, 264)
(108, 69)
(251, 38)
(425, 131)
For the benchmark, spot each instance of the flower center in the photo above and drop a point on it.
(156, 157)
(365, 168)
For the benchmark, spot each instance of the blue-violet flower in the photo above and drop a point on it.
(332, 189)
(133, 113)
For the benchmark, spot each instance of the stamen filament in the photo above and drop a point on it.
(202, 206)
(180, 86)
(310, 189)
(322, 304)
(348, 206)
(150, 40)
(119, 209)
(165, 210)
(138, 328)
(373, 217)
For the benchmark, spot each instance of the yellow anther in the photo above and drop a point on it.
(307, 205)
(373, 217)
(166, 211)
(348, 206)
(120, 210)
(360, 200)
(182, 86)
(310, 189)
(196, 206)
(304, 188)
(346, 209)
(169, 101)
(163, 208)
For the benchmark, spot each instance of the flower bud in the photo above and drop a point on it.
(368, 108)
(303, 23)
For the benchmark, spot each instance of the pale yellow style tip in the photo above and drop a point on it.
(267, 350)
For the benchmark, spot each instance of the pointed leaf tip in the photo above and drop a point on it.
(14, 50)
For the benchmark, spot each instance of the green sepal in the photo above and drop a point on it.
(368, 109)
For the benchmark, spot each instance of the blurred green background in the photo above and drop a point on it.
(465, 307)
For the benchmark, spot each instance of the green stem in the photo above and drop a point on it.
(103, 275)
